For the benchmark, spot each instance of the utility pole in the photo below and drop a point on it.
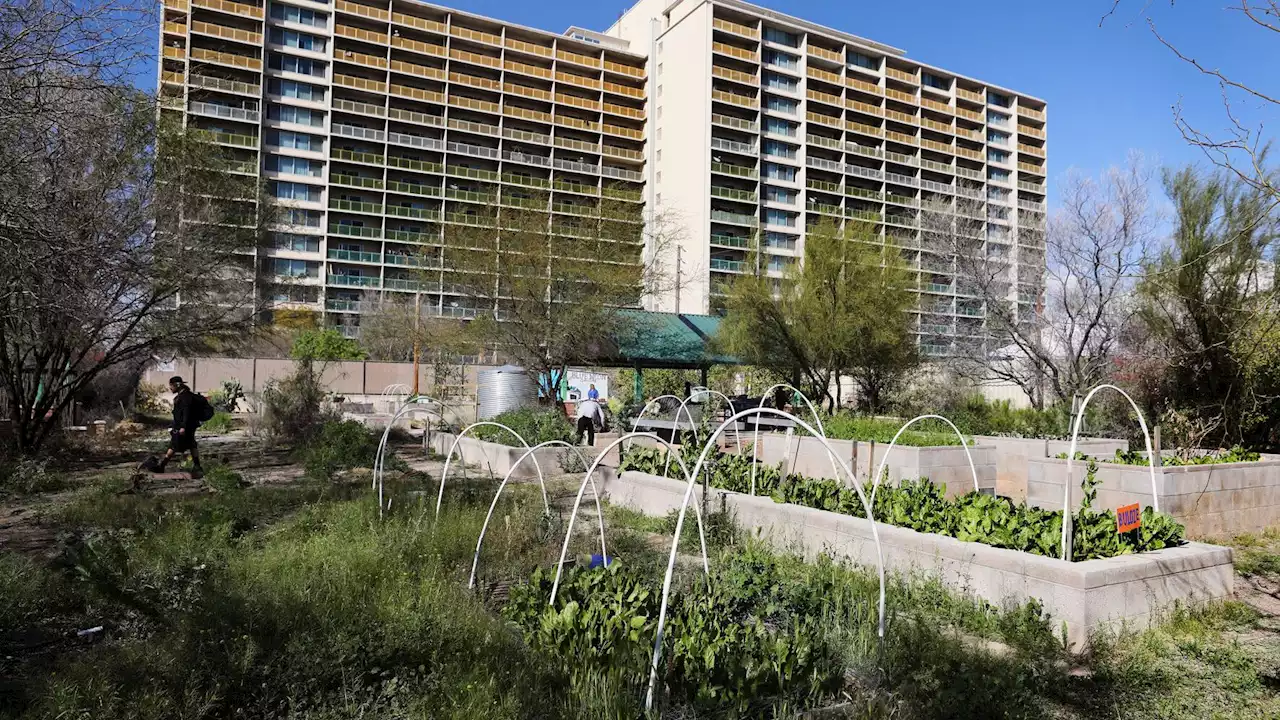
(679, 266)
(417, 314)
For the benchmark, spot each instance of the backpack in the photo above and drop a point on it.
(201, 407)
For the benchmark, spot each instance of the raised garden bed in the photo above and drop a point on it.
(1013, 453)
(1084, 595)
(499, 458)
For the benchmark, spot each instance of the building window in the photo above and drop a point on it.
(780, 104)
(773, 171)
(294, 64)
(296, 115)
(304, 218)
(995, 98)
(781, 59)
(296, 141)
(288, 13)
(780, 82)
(779, 217)
(296, 242)
(779, 149)
(994, 136)
(294, 165)
(779, 126)
(294, 268)
(780, 195)
(781, 37)
(295, 191)
(779, 264)
(857, 59)
(934, 81)
(1000, 175)
(294, 39)
(295, 89)
(780, 241)
(994, 118)
(997, 156)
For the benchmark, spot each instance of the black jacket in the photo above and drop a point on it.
(183, 412)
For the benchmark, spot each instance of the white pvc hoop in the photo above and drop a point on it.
(448, 459)
(654, 401)
(689, 415)
(755, 440)
(671, 560)
(400, 388)
(475, 561)
(1071, 455)
(702, 538)
(379, 460)
(884, 461)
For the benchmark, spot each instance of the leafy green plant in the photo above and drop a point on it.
(844, 426)
(220, 423)
(535, 425)
(338, 446)
(1232, 455)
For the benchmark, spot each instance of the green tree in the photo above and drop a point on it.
(843, 310)
(325, 345)
(1208, 303)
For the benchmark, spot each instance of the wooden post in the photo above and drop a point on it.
(1158, 460)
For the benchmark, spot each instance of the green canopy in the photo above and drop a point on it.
(669, 341)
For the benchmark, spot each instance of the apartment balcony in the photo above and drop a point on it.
(223, 111)
(735, 170)
(423, 48)
(1030, 205)
(221, 84)
(1031, 187)
(722, 216)
(971, 96)
(1031, 113)
(900, 96)
(176, 5)
(834, 121)
(337, 305)
(355, 206)
(345, 280)
(969, 115)
(816, 51)
(732, 75)
(731, 266)
(867, 108)
(1029, 168)
(734, 51)
(735, 147)
(733, 241)
(736, 123)
(351, 8)
(724, 96)
(226, 33)
(224, 58)
(824, 75)
(865, 194)
(937, 288)
(1031, 150)
(735, 28)
(230, 8)
(355, 256)
(360, 157)
(417, 22)
(863, 128)
(358, 231)
(856, 84)
(169, 77)
(225, 138)
(629, 70)
(903, 75)
(1028, 130)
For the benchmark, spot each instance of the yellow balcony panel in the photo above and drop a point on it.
(345, 6)
(624, 111)
(226, 58)
(573, 122)
(176, 4)
(361, 34)
(1028, 130)
(902, 117)
(576, 145)
(474, 58)
(900, 96)
(524, 69)
(1029, 168)
(417, 22)
(867, 108)
(625, 153)
(177, 53)
(825, 54)
(827, 98)
(425, 71)
(737, 28)
(969, 114)
(864, 86)
(725, 73)
(1031, 149)
(902, 138)
(630, 70)
(823, 75)
(474, 35)
(937, 146)
(476, 82)
(473, 104)
(227, 33)
(528, 47)
(628, 90)
(733, 98)
(969, 133)
(231, 8)
(821, 119)
(902, 75)
(935, 125)
(418, 93)
(361, 58)
(578, 59)
(733, 51)
(970, 95)
(935, 105)
(527, 114)
(577, 80)
(864, 128)
(966, 152)
(359, 83)
(1031, 113)
(526, 91)
(623, 131)
(418, 46)
(578, 102)
(175, 78)
(174, 28)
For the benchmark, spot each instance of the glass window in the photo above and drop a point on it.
(774, 35)
(295, 39)
(295, 89)
(294, 216)
(780, 82)
(780, 241)
(860, 60)
(781, 104)
(294, 165)
(773, 171)
(997, 156)
(781, 59)
(294, 64)
(995, 118)
(995, 174)
(997, 194)
(294, 268)
(995, 98)
(297, 141)
(997, 137)
(780, 195)
(297, 115)
(779, 217)
(296, 242)
(779, 126)
(296, 191)
(779, 149)
(289, 13)
(779, 264)
(934, 81)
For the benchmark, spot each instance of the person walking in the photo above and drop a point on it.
(182, 435)
(588, 412)
(593, 393)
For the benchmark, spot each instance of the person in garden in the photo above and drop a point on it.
(588, 412)
(593, 393)
(188, 413)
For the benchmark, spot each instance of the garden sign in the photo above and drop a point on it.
(1128, 518)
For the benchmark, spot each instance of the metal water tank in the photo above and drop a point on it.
(505, 388)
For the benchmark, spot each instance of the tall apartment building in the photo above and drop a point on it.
(379, 123)
(763, 124)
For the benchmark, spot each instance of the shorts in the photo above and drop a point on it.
(185, 442)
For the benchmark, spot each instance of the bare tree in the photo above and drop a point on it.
(1092, 252)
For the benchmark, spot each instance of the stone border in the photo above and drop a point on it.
(499, 458)
(1211, 500)
(1013, 454)
(1128, 589)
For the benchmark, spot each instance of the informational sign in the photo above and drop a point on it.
(582, 380)
(1128, 518)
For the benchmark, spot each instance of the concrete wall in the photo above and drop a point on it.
(941, 464)
(1012, 455)
(500, 458)
(1087, 595)
(347, 378)
(1211, 500)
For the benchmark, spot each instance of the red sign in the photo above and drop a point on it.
(1128, 518)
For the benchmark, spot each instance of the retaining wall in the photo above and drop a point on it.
(500, 458)
(1211, 500)
(1126, 589)
(1012, 455)
(941, 464)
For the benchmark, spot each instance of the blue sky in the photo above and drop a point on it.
(1109, 89)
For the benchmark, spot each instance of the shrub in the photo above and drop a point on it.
(326, 344)
(292, 408)
(339, 445)
(844, 426)
(535, 425)
(23, 476)
(220, 423)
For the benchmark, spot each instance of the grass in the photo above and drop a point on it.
(927, 433)
(220, 424)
